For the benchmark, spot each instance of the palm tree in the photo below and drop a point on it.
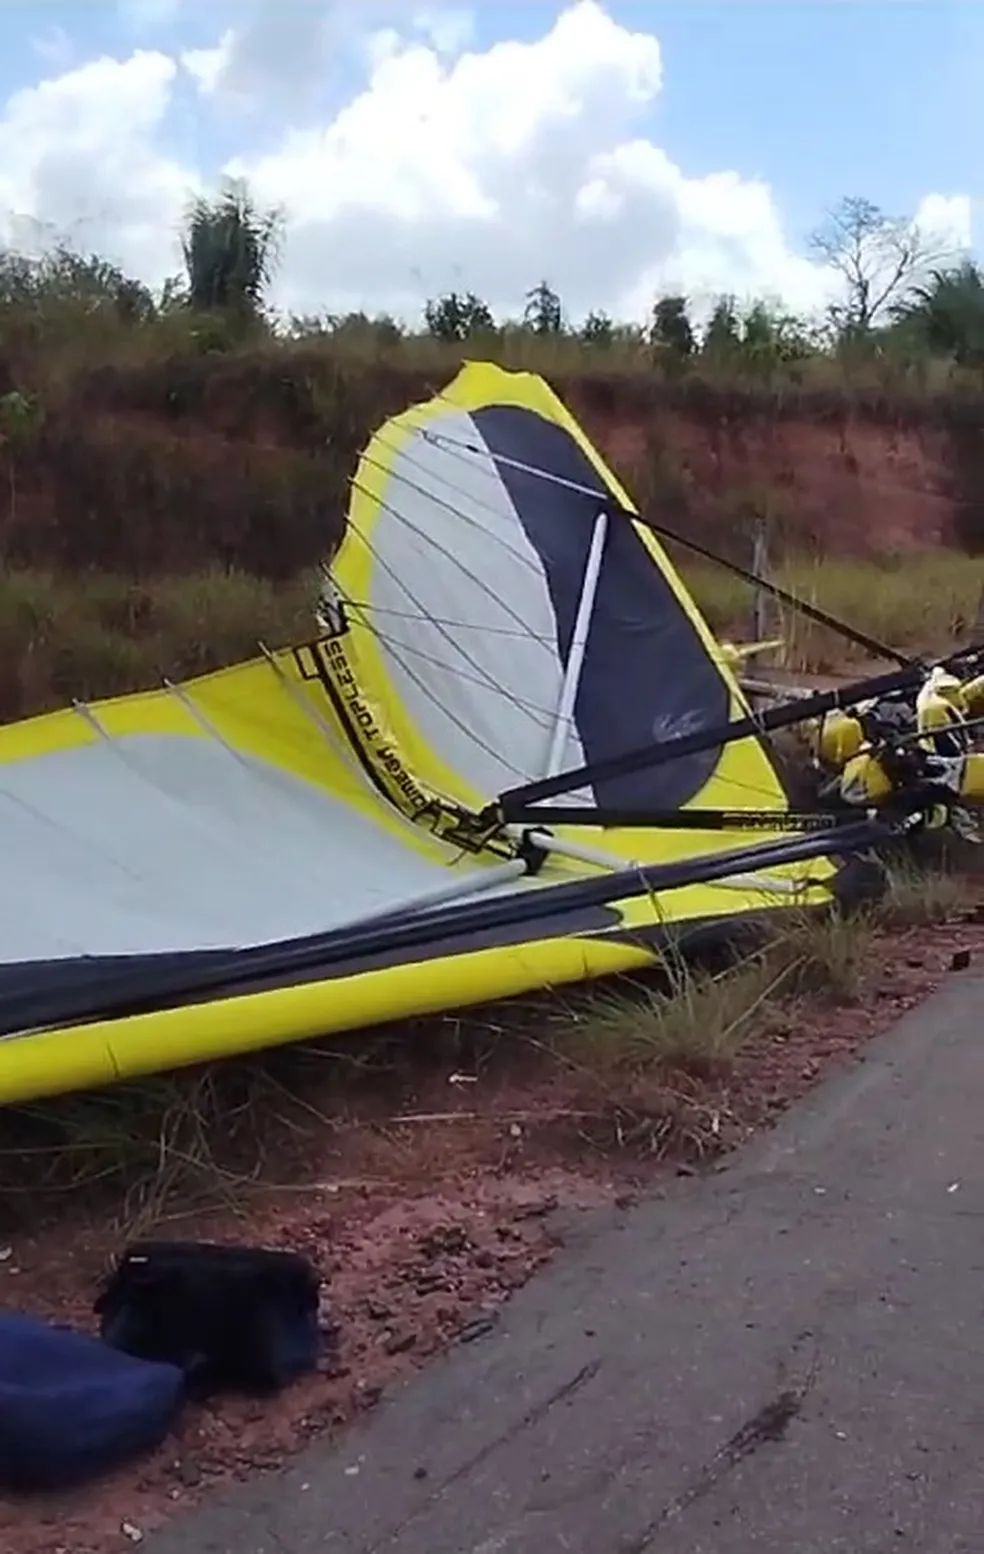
(947, 313)
(231, 248)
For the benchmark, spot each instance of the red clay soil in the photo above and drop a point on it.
(853, 487)
(246, 463)
(424, 1224)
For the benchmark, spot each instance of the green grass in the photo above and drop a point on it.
(698, 1020)
(919, 602)
(65, 637)
(695, 1021)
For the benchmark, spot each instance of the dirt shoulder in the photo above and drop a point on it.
(427, 1202)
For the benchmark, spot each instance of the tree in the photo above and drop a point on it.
(879, 259)
(173, 295)
(671, 328)
(598, 329)
(231, 248)
(946, 314)
(95, 283)
(770, 335)
(458, 316)
(544, 312)
(759, 331)
(722, 333)
(20, 419)
(17, 278)
(82, 281)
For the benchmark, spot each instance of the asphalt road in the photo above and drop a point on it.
(784, 1358)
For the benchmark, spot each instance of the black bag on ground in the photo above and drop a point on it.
(72, 1409)
(237, 1318)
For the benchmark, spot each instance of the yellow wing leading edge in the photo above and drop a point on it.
(290, 847)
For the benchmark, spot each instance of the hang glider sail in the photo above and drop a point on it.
(316, 840)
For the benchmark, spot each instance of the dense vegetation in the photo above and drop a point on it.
(173, 462)
(899, 304)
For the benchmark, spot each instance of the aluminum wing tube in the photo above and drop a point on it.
(49, 995)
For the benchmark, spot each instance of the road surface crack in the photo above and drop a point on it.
(532, 1417)
(768, 1425)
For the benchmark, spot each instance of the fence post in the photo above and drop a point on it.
(760, 566)
(767, 616)
(766, 620)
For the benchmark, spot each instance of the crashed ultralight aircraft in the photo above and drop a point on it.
(514, 756)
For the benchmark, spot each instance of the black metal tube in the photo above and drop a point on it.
(43, 996)
(660, 753)
(608, 817)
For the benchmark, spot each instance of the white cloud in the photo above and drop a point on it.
(79, 162)
(493, 169)
(945, 221)
(287, 57)
(281, 50)
(210, 67)
(449, 166)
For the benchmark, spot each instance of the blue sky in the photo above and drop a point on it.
(818, 97)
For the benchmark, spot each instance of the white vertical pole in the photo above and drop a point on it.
(760, 566)
(471, 884)
(760, 607)
(579, 641)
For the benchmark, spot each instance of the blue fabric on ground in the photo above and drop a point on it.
(72, 1408)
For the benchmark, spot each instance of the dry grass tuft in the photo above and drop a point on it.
(916, 603)
(64, 638)
(696, 1020)
(692, 1020)
(920, 897)
(212, 1136)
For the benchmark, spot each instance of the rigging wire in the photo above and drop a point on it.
(462, 652)
(444, 620)
(394, 473)
(543, 717)
(429, 539)
(452, 717)
(872, 645)
(475, 451)
(396, 648)
(640, 759)
(660, 754)
(812, 612)
(489, 680)
(495, 511)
